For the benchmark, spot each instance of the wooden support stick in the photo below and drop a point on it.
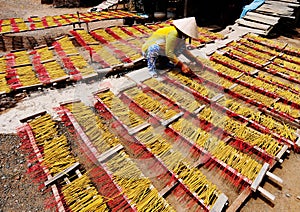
(104, 156)
(69, 102)
(67, 180)
(266, 194)
(274, 178)
(32, 116)
(239, 200)
(177, 116)
(282, 151)
(242, 74)
(79, 174)
(298, 142)
(233, 86)
(298, 139)
(47, 61)
(254, 72)
(199, 109)
(217, 97)
(136, 129)
(61, 174)
(167, 189)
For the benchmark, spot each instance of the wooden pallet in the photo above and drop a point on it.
(27, 129)
(263, 19)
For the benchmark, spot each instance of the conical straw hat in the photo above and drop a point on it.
(188, 26)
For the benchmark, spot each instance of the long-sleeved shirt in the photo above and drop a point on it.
(168, 40)
(253, 6)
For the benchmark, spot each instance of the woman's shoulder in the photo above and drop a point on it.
(166, 29)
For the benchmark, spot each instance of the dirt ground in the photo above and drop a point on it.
(19, 193)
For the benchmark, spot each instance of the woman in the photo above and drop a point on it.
(169, 42)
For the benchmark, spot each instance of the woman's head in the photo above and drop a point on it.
(187, 26)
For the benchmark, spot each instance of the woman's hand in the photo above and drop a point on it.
(185, 69)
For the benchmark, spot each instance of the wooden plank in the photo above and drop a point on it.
(282, 151)
(61, 174)
(236, 204)
(90, 76)
(252, 30)
(260, 176)
(289, 1)
(277, 7)
(266, 17)
(101, 90)
(275, 11)
(32, 116)
(59, 79)
(280, 13)
(127, 87)
(139, 60)
(254, 25)
(284, 4)
(29, 87)
(260, 19)
(221, 202)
